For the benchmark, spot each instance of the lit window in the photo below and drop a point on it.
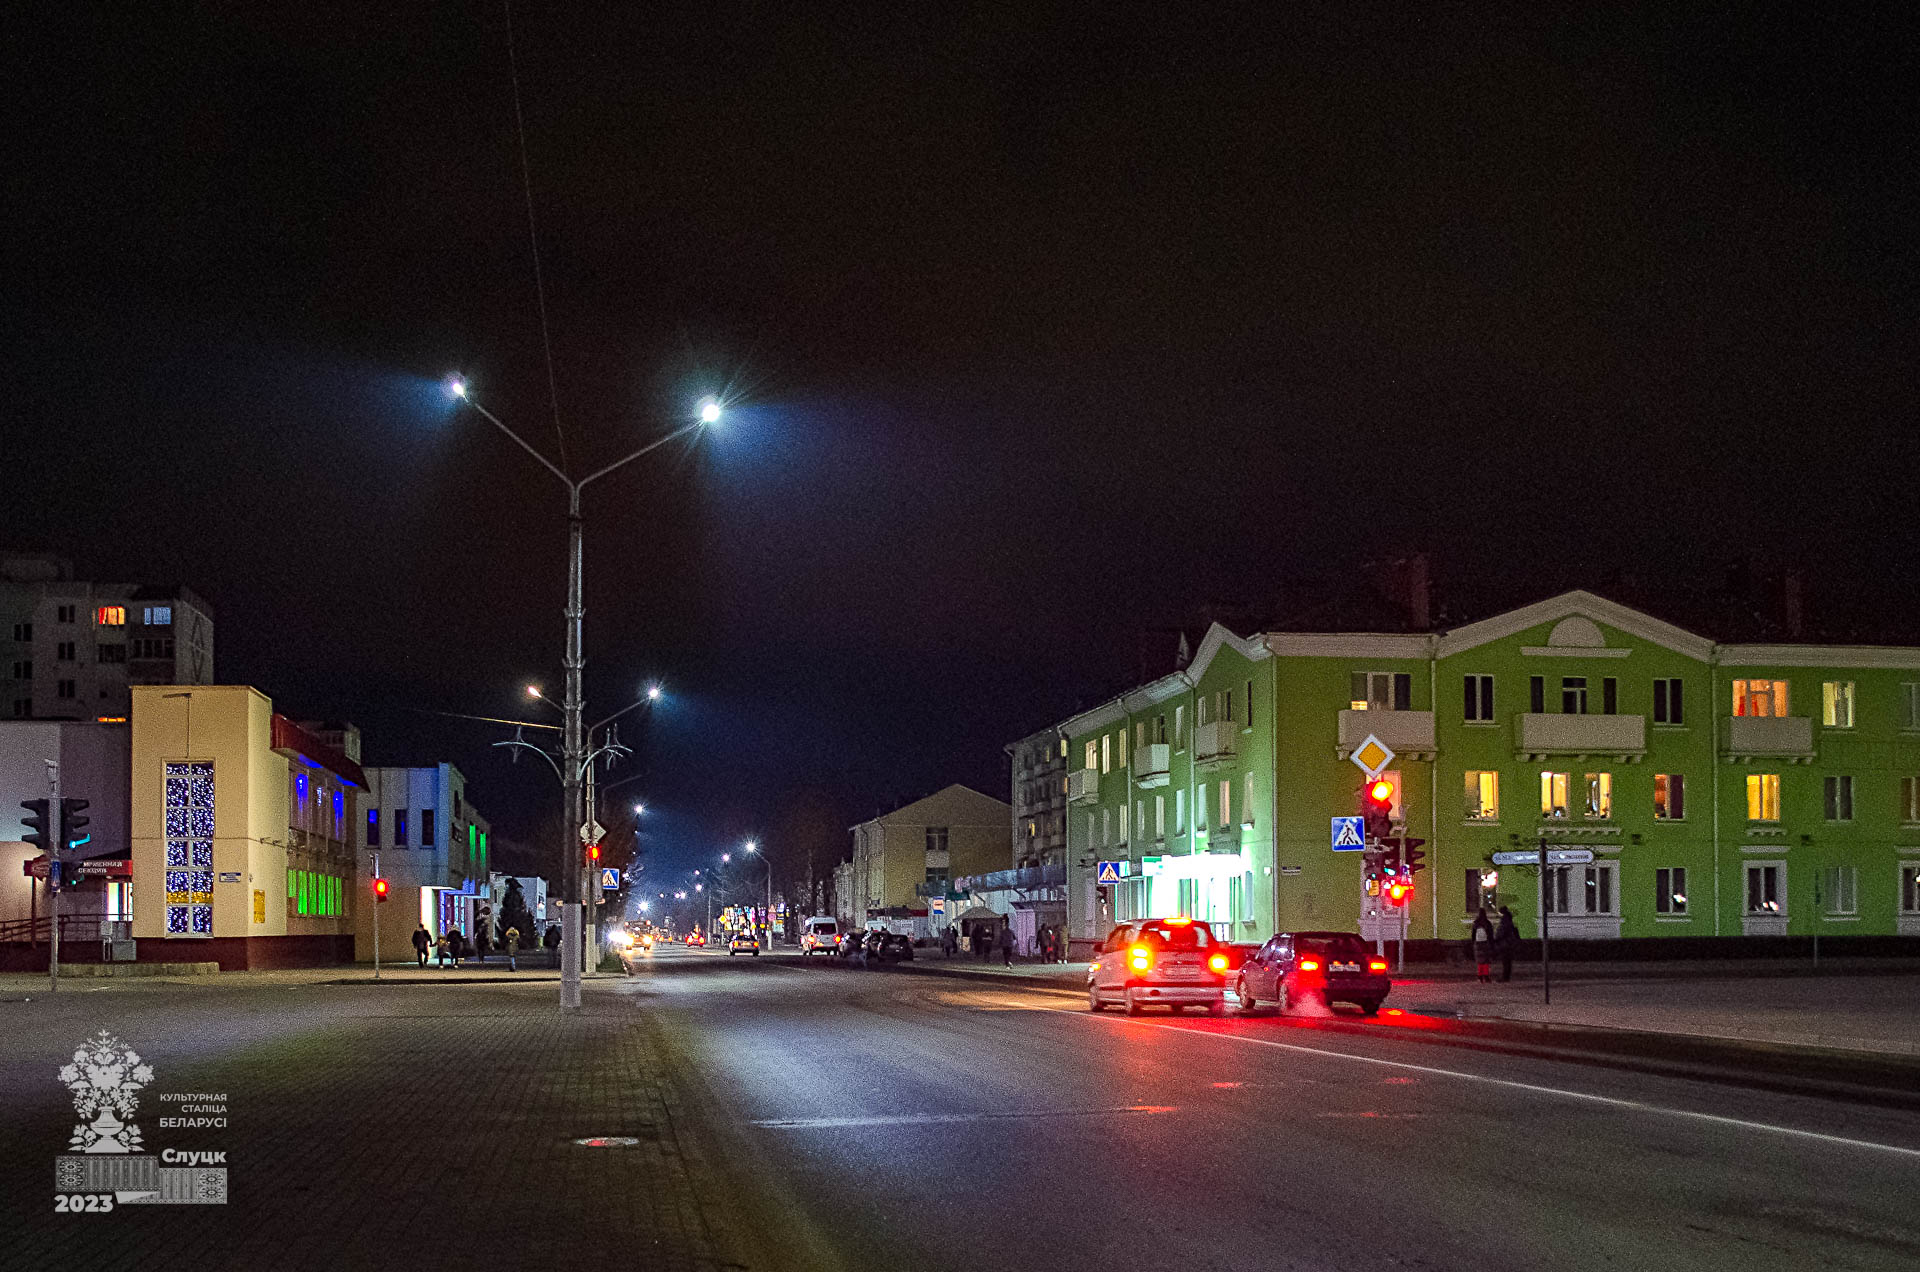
(1760, 698)
(1669, 796)
(1483, 795)
(1599, 794)
(1763, 797)
(159, 615)
(1106, 753)
(111, 616)
(1670, 890)
(1093, 754)
(1836, 704)
(1553, 794)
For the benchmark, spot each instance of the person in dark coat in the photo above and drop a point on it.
(1482, 941)
(422, 943)
(483, 935)
(1505, 941)
(950, 941)
(457, 945)
(1006, 944)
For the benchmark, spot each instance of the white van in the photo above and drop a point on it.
(819, 934)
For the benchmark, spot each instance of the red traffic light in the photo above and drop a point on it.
(593, 852)
(380, 889)
(1399, 893)
(1380, 791)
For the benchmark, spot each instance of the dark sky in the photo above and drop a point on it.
(1043, 324)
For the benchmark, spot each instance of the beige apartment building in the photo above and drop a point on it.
(904, 859)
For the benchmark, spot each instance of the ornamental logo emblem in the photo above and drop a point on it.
(105, 1077)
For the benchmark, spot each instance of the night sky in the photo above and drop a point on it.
(1041, 325)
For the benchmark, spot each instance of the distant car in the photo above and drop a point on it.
(849, 945)
(696, 938)
(646, 941)
(889, 947)
(1333, 967)
(743, 941)
(1174, 962)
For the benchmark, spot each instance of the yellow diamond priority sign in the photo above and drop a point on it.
(1372, 756)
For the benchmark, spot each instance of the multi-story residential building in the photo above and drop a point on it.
(240, 832)
(73, 649)
(1724, 790)
(902, 858)
(1033, 894)
(433, 852)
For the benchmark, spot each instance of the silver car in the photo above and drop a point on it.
(1173, 963)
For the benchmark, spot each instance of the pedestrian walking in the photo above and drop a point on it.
(1006, 944)
(950, 941)
(457, 945)
(511, 943)
(1505, 940)
(443, 947)
(1482, 939)
(422, 942)
(482, 935)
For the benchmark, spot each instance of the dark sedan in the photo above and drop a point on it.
(1329, 967)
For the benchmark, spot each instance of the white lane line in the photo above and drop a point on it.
(937, 1119)
(1587, 1096)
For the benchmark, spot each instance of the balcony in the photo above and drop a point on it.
(1770, 738)
(1082, 785)
(1023, 879)
(1408, 734)
(1622, 737)
(1214, 741)
(1151, 764)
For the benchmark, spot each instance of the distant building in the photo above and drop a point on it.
(240, 832)
(74, 649)
(433, 854)
(93, 766)
(903, 857)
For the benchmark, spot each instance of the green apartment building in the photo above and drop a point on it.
(1723, 790)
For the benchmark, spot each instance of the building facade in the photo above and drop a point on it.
(75, 649)
(240, 832)
(902, 858)
(433, 850)
(93, 766)
(1724, 790)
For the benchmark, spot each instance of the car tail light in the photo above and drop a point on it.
(1141, 958)
(1309, 964)
(1177, 921)
(1218, 962)
(1376, 964)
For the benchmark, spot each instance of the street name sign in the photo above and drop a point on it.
(1372, 756)
(1349, 834)
(1555, 857)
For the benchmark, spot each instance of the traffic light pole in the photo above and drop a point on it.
(376, 914)
(1546, 904)
(57, 825)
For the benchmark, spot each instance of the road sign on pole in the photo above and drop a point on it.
(1349, 834)
(1555, 857)
(610, 876)
(592, 832)
(1111, 871)
(1372, 756)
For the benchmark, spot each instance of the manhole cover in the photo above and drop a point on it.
(607, 1141)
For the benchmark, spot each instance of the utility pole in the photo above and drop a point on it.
(1546, 904)
(56, 856)
(376, 914)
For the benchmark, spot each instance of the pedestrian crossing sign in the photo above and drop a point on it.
(1112, 871)
(1349, 835)
(609, 876)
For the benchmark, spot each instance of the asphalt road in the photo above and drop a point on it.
(800, 1115)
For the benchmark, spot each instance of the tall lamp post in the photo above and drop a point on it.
(573, 736)
(753, 847)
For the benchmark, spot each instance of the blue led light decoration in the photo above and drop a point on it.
(189, 817)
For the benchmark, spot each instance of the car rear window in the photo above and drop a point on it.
(1332, 946)
(1180, 936)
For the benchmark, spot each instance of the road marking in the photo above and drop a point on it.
(937, 1119)
(1588, 1096)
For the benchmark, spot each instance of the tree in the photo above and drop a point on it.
(514, 914)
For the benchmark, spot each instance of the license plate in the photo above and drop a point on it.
(1183, 973)
(1346, 967)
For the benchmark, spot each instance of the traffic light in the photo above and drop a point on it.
(40, 830)
(379, 889)
(1399, 892)
(73, 823)
(593, 853)
(1376, 806)
(1413, 857)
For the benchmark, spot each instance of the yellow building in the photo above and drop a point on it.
(240, 830)
(903, 858)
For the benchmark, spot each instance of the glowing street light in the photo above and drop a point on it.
(709, 408)
(653, 693)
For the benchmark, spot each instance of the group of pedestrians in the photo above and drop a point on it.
(451, 947)
(1490, 943)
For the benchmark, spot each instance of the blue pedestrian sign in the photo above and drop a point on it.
(1349, 834)
(1112, 871)
(609, 876)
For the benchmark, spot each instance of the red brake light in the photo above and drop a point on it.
(1309, 964)
(1177, 922)
(1376, 964)
(1218, 962)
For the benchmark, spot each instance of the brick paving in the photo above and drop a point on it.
(418, 1126)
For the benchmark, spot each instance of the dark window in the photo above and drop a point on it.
(23, 631)
(1666, 701)
(1249, 704)
(113, 653)
(426, 828)
(63, 652)
(1536, 694)
(399, 828)
(373, 828)
(66, 613)
(23, 708)
(1573, 695)
(65, 689)
(1478, 697)
(23, 670)
(1402, 691)
(1609, 696)
(1839, 798)
(1670, 890)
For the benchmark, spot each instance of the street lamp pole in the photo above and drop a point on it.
(573, 756)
